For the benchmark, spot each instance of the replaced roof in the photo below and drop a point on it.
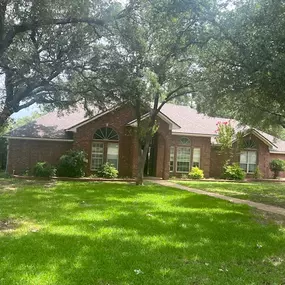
(187, 122)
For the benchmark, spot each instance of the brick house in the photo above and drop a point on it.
(184, 139)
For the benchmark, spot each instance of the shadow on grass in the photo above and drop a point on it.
(101, 233)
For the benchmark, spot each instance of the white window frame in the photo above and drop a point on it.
(172, 158)
(199, 162)
(177, 155)
(247, 160)
(93, 153)
(107, 159)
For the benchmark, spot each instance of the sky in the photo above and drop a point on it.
(25, 112)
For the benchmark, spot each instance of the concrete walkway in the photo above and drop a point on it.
(260, 206)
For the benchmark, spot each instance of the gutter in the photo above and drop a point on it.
(39, 139)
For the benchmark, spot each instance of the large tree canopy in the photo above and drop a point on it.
(243, 64)
(43, 44)
(151, 59)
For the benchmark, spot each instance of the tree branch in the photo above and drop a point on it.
(30, 26)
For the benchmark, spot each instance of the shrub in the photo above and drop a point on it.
(234, 172)
(107, 170)
(43, 169)
(72, 164)
(257, 173)
(196, 173)
(276, 166)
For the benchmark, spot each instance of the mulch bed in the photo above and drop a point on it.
(82, 179)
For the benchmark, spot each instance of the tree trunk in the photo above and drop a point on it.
(142, 160)
(4, 116)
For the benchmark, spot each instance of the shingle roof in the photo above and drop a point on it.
(190, 121)
(51, 125)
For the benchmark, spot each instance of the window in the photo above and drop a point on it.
(184, 141)
(106, 134)
(113, 154)
(248, 161)
(183, 159)
(105, 148)
(196, 157)
(171, 163)
(97, 155)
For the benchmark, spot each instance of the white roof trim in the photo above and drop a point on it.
(75, 127)
(193, 134)
(38, 139)
(276, 152)
(258, 135)
(172, 124)
(262, 138)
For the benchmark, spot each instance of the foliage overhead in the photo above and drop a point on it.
(43, 44)
(154, 53)
(243, 64)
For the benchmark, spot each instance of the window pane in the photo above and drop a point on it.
(252, 157)
(243, 166)
(243, 157)
(248, 161)
(97, 155)
(251, 167)
(171, 161)
(196, 157)
(113, 154)
(183, 159)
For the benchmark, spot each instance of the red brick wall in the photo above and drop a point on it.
(24, 154)
(204, 143)
(216, 162)
(263, 159)
(116, 120)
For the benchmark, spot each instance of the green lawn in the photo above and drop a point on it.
(103, 233)
(263, 192)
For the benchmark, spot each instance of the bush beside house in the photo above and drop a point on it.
(196, 173)
(72, 164)
(277, 166)
(43, 169)
(107, 170)
(234, 172)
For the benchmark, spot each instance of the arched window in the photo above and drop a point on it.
(105, 148)
(184, 140)
(106, 134)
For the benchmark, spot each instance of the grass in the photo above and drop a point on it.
(107, 233)
(263, 192)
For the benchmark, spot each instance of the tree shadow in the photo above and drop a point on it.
(36, 130)
(101, 233)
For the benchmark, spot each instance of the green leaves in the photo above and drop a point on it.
(242, 65)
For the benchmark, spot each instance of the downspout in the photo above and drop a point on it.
(8, 154)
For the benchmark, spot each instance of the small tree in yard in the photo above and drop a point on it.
(276, 166)
(225, 136)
